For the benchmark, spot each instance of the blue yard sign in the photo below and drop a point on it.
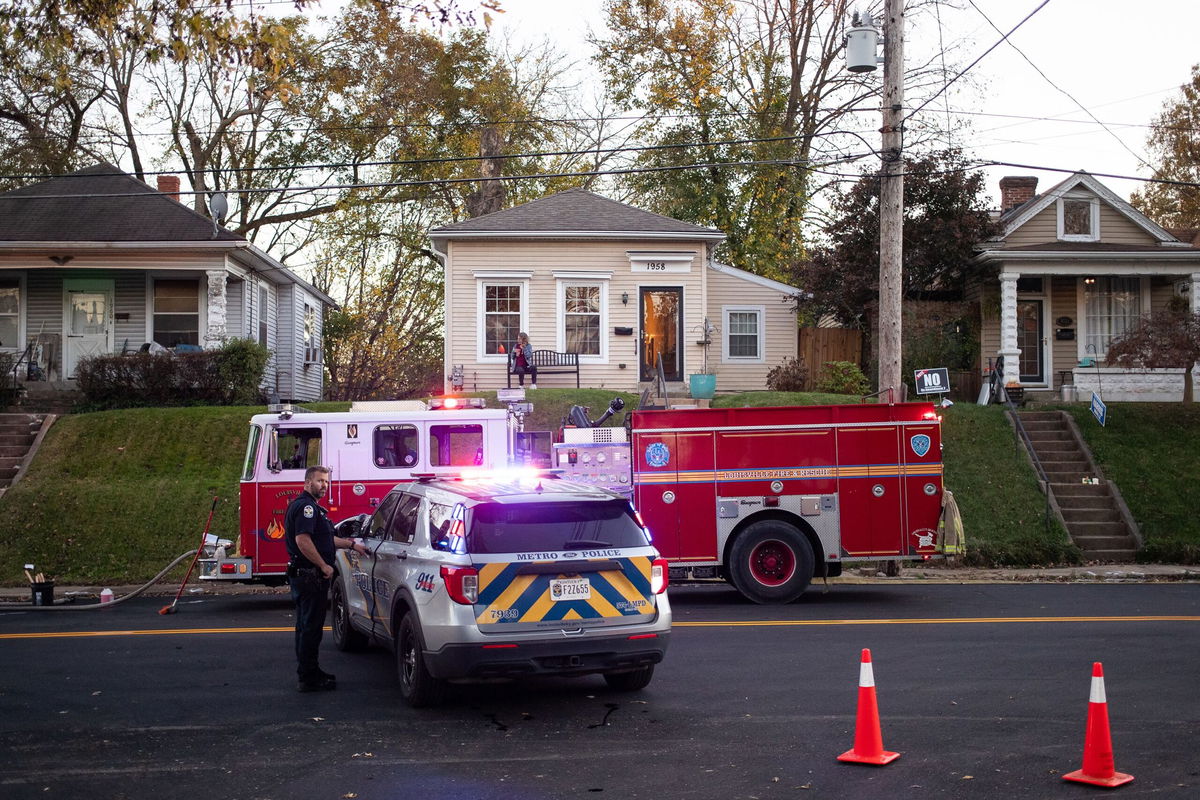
(1099, 410)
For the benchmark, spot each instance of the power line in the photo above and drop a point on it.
(966, 69)
(1069, 96)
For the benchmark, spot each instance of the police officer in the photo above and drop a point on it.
(311, 545)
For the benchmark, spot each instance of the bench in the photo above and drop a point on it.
(549, 362)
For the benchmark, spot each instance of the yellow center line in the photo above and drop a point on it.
(678, 624)
(935, 621)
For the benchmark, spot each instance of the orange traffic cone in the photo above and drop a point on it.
(1098, 768)
(868, 739)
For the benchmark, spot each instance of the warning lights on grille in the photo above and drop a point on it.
(462, 584)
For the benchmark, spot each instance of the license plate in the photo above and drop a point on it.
(570, 589)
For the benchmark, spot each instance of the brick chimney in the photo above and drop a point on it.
(169, 185)
(1015, 190)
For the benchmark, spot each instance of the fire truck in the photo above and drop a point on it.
(766, 498)
(770, 498)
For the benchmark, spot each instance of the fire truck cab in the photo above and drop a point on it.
(369, 452)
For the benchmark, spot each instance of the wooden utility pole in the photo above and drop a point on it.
(891, 201)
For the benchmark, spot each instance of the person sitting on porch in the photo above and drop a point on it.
(522, 356)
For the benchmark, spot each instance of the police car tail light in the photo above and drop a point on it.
(462, 584)
(658, 576)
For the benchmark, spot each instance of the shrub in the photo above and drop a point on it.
(842, 377)
(790, 376)
(229, 375)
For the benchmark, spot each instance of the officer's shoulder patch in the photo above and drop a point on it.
(308, 512)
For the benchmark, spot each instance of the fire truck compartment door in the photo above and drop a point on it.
(677, 492)
(869, 485)
(921, 446)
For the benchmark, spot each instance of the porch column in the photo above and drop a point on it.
(1194, 294)
(217, 306)
(1008, 327)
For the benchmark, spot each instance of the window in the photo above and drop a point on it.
(404, 523)
(1078, 219)
(396, 446)
(378, 525)
(743, 333)
(176, 312)
(501, 317)
(298, 448)
(312, 343)
(1112, 306)
(10, 313)
(581, 319)
(455, 445)
(251, 453)
(263, 299)
(537, 527)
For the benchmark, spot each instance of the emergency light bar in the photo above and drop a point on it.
(449, 403)
(514, 475)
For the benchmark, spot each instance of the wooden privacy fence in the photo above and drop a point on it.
(817, 346)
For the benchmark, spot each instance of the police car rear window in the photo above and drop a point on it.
(507, 528)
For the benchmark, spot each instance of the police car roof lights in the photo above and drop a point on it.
(504, 475)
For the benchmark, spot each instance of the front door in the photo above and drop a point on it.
(88, 325)
(1031, 341)
(662, 332)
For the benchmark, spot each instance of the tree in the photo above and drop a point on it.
(1174, 144)
(945, 218)
(1167, 340)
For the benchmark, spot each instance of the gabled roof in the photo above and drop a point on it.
(575, 213)
(751, 277)
(1016, 217)
(100, 204)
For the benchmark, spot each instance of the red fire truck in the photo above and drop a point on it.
(769, 498)
(766, 498)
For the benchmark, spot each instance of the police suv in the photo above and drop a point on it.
(474, 577)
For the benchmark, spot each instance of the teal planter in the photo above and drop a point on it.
(703, 385)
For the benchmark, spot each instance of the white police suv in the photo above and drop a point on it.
(501, 575)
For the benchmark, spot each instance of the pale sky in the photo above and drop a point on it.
(1119, 59)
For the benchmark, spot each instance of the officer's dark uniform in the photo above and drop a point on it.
(309, 587)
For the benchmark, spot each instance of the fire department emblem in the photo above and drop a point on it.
(920, 444)
(657, 455)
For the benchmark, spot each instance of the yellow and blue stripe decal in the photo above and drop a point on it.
(788, 473)
(507, 597)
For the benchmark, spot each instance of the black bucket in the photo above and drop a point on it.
(43, 593)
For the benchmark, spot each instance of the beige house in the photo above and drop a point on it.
(1077, 266)
(620, 287)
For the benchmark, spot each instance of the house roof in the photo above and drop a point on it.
(751, 277)
(101, 207)
(100, 204)
(576, 213)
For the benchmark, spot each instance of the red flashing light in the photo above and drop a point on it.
(929, 415)
(462, 584)
(771, 501)
(228, 569)
(450, 402)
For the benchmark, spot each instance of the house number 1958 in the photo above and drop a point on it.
(656, 266)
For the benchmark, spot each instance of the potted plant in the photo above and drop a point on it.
(703, 384)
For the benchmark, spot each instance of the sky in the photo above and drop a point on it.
(1118, 60)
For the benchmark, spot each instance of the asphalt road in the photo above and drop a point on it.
(982, 688)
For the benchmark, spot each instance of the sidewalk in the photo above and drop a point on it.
(1103, 573)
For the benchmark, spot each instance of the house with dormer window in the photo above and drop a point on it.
(1076, 266)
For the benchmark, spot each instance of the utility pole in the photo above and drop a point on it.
(891, 201)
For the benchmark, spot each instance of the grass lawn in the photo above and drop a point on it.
(115, 495)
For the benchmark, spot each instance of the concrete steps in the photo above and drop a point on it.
(17, 435)
(1092, 512)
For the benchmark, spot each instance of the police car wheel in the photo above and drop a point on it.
(771, 562)
(418, 688)
(345, 637)
(630, 681)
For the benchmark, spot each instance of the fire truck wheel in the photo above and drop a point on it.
(345, 638)
(418, 688)
(771, 562)
(630, 681)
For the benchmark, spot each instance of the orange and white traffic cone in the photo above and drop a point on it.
(868, 738)
(1098, 768)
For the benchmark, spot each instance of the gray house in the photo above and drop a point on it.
(99, 262)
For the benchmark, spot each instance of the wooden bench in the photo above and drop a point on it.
(549, 362)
